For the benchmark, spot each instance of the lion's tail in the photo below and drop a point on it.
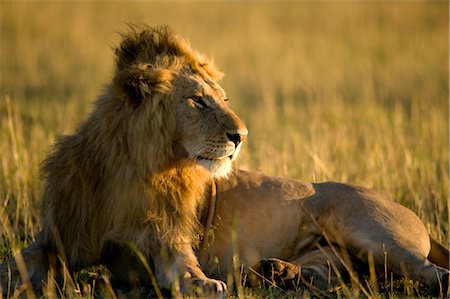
(439, 254)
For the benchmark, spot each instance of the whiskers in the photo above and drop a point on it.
(197, 152)
(212, 157)
(194, 153)
(210, 152)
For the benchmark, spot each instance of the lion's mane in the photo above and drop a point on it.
(116, 178)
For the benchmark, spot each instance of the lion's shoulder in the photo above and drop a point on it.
(258, 182)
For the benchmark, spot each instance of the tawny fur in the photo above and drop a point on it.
(138, 170)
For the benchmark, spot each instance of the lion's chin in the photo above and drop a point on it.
(219, 168)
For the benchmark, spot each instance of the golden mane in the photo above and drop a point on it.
(151, 45)
(119, 164)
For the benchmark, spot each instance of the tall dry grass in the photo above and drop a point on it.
(352, 92)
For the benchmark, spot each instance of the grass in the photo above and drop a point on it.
(351, 92)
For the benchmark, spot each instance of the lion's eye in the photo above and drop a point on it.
(198, 101)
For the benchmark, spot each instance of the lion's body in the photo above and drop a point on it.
(257, 208)
(139, 169)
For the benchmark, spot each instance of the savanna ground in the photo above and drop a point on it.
(352, 92)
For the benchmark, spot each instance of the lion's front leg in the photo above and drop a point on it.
(180, 271)
(28, 269)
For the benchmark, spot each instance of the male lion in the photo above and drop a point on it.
(158, 145)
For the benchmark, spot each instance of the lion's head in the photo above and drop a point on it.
(160, 76)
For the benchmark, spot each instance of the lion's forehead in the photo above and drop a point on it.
(193, 84)
(187, 81)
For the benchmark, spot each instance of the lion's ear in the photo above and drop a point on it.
(137, 83)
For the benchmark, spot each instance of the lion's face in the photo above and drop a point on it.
(206, 128)
(172, 95)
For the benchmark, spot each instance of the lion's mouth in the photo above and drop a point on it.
(201, 158)
(218, 166)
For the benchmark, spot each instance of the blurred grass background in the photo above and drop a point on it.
(356, 92)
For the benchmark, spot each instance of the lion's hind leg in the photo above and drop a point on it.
(405, 262)
(395, 239)
(403, 255)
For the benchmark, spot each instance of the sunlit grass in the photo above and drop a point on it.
(352, 92)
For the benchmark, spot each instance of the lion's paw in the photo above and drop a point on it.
(275, 271)
(206, 288)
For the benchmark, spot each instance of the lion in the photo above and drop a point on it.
(152, 166)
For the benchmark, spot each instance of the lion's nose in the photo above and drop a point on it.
(237, 138)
